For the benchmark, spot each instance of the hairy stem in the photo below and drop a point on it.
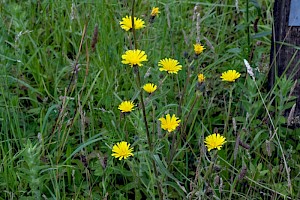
(138, 80)
(229, 109)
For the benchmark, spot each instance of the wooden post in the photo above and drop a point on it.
(285, 49)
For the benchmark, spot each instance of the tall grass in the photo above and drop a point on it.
(59, 100)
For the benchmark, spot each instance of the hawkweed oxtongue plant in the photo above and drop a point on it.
(171, 66)
(154, 13)
(200, 87)
(198, 50)
(31, 173)
(134, 59)
(213, 142)
(229, 77)
(122, 150)
(181, 135)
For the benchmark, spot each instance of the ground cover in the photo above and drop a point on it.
(77, 120)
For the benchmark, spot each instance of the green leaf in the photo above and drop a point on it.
(87, 143)
(281, 120)
(164, 171)
(234, 50)
(129, 186)
(261, 34)
(180, 189)
(162, 168)
(263, 172)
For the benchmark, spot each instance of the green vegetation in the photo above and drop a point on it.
(60, 92)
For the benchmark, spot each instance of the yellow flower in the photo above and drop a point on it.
(170, 65)
(214, 141)
(121, 150)
(198, 48)
(201, 78)
(230, 75)
(155, 11)
(149, 87)
(169, 124)
(134, 57)
(126, 106)
(126, 23)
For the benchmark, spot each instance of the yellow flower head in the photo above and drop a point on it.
(134, 57)
(198, 48)
(201, 78)
(126, 23)
(214, 141)
(230, 75)
(169, 123)
(122, 150)
(126, 106)
(149, 87)
(170, 65)
(155, 11)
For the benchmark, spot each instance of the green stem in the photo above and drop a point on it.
(248, 26)
(210, 168)
(174, 139)
(229, 109)
(175, 143)
(208, 171)
(190, 111)
(172, 151)
(138, 80)
(147, 99)
(133, 29)
(278, 140)
(184, 89)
